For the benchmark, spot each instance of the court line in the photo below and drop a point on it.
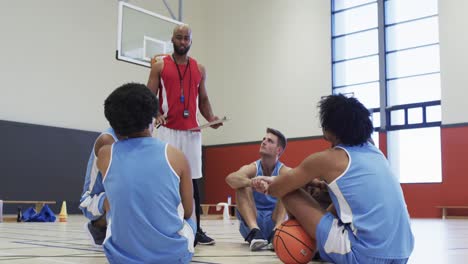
(19, 257)
(38, 244)
(44, 258)
(15, 239)
(41, 229)
(59, 239)
(204, 262)
(235, 256)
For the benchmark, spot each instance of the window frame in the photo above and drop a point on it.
(385, 109)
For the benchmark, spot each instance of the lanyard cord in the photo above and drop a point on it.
(181, 79)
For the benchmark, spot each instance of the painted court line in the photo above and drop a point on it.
(203, 262)
(44, 258)
(64, 241)
(44, 245)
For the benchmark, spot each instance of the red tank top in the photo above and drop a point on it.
(170, 103)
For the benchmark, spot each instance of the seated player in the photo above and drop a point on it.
(93, 197)
(148, 185)
(369, 222)
(259, 214)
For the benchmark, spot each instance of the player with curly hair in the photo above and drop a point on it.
(369, 222)
(148, 185)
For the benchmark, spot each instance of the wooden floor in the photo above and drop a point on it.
(437, 241)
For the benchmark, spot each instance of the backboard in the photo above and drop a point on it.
(142, 34)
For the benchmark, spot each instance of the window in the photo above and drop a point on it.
(388, 51)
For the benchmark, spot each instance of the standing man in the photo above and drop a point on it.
(260, 214)
(179, 82)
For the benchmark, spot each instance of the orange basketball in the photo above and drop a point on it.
(292, 244)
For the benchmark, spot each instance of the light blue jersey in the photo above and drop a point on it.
(145, 223)
(265, 202)
(265, 205)
(93, 196)
(373, 218)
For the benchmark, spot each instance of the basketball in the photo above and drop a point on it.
(292, 244)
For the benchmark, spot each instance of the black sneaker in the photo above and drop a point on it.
(317, 257)
(271, 236)
(256, 240)
(270, 241)
(203, 239)
(96, 234)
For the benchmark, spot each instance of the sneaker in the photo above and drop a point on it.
(270, 241)
(256, 240)
(270, 247)
(96, 234)
(317, 257)
(203, 239)
(271, 236)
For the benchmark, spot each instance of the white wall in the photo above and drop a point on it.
(58, 62)
(453, 23)
(268, 62)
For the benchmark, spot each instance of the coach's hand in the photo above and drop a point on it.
(214, 118)
(160, 120)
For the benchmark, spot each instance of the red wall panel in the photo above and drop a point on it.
(220, 161)
(421, 199)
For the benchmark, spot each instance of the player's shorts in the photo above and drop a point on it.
(189, 230)
(264, 222)
(335, 240)
(189, 142)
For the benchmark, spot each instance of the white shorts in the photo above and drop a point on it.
(189, 142)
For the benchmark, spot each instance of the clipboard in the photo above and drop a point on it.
(222, 120)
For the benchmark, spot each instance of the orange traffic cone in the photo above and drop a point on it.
(63, 212)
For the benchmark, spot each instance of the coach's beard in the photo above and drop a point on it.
(181, 51)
